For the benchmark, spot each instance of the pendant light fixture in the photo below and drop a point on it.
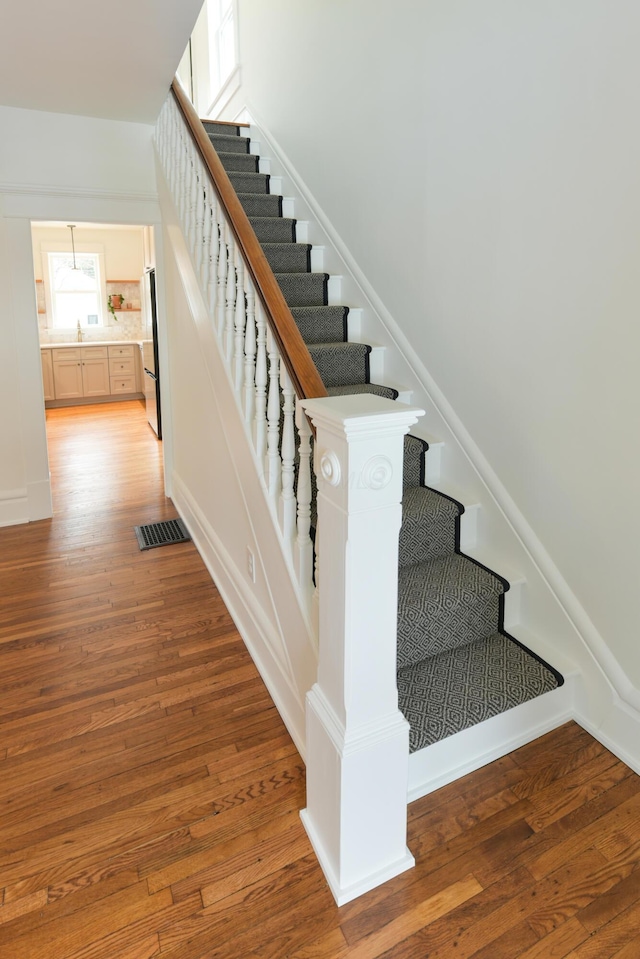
(72, 227)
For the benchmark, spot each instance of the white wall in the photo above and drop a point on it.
(75, 153)
(123, 248)
(480, 161)
(52, 167)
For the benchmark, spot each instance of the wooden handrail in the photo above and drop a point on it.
(293, 349)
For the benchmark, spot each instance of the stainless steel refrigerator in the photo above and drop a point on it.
(150, 365)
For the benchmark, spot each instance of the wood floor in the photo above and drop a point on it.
(149, 793)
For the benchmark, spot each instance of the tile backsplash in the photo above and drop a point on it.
(127, 326)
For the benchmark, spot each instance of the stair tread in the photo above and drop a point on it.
(444, 694)
(375, 388)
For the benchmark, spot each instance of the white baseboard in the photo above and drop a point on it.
(464, 752)
(40, 502)
(14, 507)
(345, 893)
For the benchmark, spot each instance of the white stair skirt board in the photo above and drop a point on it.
(466, 751)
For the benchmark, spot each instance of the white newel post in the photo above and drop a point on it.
(357, 738)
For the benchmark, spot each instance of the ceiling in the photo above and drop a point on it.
(113, 60)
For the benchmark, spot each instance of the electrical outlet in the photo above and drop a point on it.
(251, 565)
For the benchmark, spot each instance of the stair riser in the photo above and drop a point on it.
(226, 144)
(222, 129)
(341, 366)
(274, 229)
(424, 539)
(239, 162)
(250, 182)
(256, 204)
(288, 257)
(303, 289)
(321, 324)
(439, 626)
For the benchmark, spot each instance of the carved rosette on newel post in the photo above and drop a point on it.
(357, 739)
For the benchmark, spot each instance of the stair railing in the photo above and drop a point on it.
(267, 360)
(357, 741)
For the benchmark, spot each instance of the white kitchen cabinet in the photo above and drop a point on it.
(47, 375)
(80, 372)
(123, 369)
(95, 375)
(67, 374)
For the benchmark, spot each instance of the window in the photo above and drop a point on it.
(222, 40)
(75, 293)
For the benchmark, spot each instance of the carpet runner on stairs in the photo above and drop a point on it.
(456, 664)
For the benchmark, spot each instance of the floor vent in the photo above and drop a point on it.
(161, 534)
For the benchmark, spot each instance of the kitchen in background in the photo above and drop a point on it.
(122, 261)
(80, 271)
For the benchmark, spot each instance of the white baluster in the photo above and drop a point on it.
(304, 546)
(171, 168)
(287, 505)
(273, 463)
(205, 267)
(315, 595)
(240, 322)
(214, 253)
(193, 202)
(230, 297)
(260, 421)
(222, 281)
(180, 179)
(249, 354)
(176, 157)
(200, 211)
(185, 173)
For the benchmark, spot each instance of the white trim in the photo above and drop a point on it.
(471, 749)
(14, 507)
(40, 501)
(346, 893)
(96, 249)
(37, 189)
(228, 90)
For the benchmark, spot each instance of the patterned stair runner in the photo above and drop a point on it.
(456, 664)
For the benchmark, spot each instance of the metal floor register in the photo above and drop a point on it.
(161, 534)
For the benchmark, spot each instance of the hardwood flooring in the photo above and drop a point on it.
(149, 792)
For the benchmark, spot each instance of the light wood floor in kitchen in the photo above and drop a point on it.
(149, 792)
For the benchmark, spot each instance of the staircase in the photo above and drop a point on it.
(457, 666)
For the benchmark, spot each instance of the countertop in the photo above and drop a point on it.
(60, 346)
